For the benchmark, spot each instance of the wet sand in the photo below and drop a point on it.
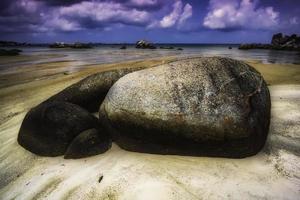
(274, 173)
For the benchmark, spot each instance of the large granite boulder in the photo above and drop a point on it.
(90, 92)
(202, 106)
(49, 128)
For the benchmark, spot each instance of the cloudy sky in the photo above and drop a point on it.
(180, 21)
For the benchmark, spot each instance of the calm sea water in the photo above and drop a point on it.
(113, 53)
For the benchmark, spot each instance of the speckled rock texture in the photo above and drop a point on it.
(49, 128)
(203, 107)
(90, 92)
(88, 143)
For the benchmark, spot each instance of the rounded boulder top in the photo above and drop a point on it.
(201, 106)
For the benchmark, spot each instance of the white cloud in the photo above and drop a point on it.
(294, 21)
(92, 15)
(52, 16)
(187, 13)
(234, 14)
(29, 5)
(177, 16)
(62, 24)
(144, 2)
(104, 12)
(172, 18)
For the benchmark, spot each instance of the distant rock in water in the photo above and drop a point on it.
(88, 143)
(59, 45)
(18, 44)
(10, 52)
(278, 39)
(143, 44)
(279, 42)
(79, 45)
(179, 49)
(255, 46)
(163, 47)
(123, 47)
(49, 128)
(76, 45)
(204, 106)
(11, 44)
(90, 92)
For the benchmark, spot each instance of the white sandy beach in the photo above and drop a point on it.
(274, 173)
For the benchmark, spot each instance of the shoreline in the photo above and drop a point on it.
(271, 174)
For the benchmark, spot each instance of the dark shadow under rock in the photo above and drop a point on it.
(88, 143)
(49, 128)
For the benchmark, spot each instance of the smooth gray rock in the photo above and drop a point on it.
(202, 106)
(49, 128)
(90, 92)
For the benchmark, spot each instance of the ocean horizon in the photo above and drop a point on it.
(111, 53)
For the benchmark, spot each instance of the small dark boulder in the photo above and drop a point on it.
(78, 45)
(10, 52)
(49, 128)
(164, 47)
(88, 143)
(90, 92)
(123, 47)
(59, 45)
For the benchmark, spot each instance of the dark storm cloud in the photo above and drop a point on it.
(138, 4)
(34, 16)
(73, 15)
(56, 16)
(4, 5)
(19, 16)
(60, 2)
(103, 13)
(146, 4)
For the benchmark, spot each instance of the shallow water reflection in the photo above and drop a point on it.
(113, 54)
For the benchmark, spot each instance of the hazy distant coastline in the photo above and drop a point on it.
(279, 41)
(27, 44)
